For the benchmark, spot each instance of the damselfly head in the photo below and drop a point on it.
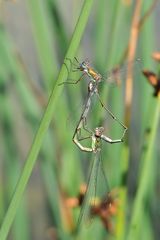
(99, 131)
(84, 65)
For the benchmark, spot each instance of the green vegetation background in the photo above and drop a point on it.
(40, 166)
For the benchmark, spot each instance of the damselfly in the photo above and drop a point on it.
(92, 89)
(113, 76)
(95, 79)
(96, 176)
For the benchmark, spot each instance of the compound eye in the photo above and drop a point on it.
(83, 65)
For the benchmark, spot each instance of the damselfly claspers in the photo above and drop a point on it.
(92, 89)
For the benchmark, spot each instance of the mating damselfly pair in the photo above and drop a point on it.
(96, 136)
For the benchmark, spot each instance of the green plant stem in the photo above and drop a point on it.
(44, 124)
(144, 178)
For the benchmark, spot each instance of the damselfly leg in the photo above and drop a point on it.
(77, 68)
(95, 79)
(113, 116)
(92, 89)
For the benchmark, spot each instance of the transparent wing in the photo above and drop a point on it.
(102, 186)
(118, 74)
(97, 188)
(90, 193)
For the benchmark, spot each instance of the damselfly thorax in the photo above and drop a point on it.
(93, 74)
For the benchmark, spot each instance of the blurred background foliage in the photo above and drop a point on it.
(34, 38)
